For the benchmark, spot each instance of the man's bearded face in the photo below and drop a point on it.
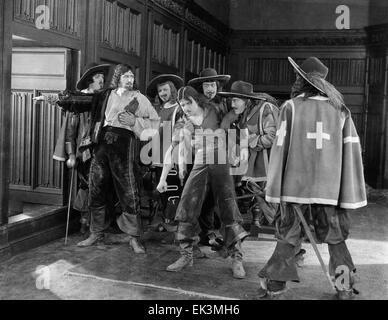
(164, 92)
(127, 80)
(209, 89)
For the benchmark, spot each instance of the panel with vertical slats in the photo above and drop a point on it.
(34, 129)
(121, 27)
(63, 14)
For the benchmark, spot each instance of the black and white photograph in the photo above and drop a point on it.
(205, 152)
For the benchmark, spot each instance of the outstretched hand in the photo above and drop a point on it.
(40, 98)
(162, 186)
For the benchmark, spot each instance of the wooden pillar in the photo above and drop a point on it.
(6, 11)
(376, 141)
(146, 47)
(92, 31)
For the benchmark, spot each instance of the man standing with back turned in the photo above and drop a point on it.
(315, 170)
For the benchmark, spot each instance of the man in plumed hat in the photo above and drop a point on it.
(315, 172)
(208, 84)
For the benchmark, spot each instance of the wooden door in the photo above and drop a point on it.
(34, 176)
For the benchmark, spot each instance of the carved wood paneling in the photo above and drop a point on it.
(165, 48)
(64, 14)
(376, 71)
(120, 27)
(34, 132)
(278, 71)
(21, 138)
(199, 57)
(49, 173)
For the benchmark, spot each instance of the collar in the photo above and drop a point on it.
(321, 98)
(169, 105)
(126, 93)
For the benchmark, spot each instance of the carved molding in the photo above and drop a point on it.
(305, 41)
(198, 22)
(175, 7)
(299, 38)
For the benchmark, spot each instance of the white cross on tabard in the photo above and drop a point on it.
(319, 135)
(281, 133)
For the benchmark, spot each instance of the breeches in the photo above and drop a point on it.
(113, 164)
(189, 209)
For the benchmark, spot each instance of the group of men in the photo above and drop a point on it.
(300, 161)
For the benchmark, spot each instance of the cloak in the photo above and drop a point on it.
(316, 156)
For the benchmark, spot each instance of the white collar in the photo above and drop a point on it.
(168, 106)
(314, 97)
(122, 93)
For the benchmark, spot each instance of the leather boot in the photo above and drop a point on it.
(348, 292)
(238, 268)
(271, 288)
(93, 239)
(136, 246)
(237, 259)
(185, 260)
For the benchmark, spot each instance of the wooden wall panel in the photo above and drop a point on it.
(166, 43)
(21, 138)
(63, 14)
(376, 161)
(34, 132)
(120, 27)
(261, 58)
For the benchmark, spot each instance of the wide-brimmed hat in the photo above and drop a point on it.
(209, 75)
(152, 89)
(241, 89)
(90, 70)
(310, 67)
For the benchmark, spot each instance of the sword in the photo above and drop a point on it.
(313, 243)
(69, 204)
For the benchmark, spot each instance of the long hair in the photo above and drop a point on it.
(302, 86)
(174, 92)
(189, 92)
(119, 70)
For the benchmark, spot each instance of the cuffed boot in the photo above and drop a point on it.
(271, 288)
(186, 258)
(136, 246)
(237, 259)
(93, 239)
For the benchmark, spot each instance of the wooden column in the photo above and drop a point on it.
(6, 11)
(376, 142)
(92, 31)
